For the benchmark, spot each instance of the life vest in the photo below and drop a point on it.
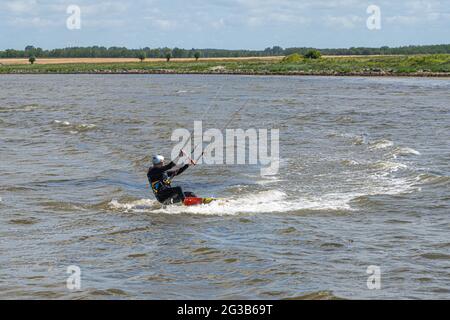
(161, 185)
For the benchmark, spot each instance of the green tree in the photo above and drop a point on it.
(313, 54)
(197, 55)
(292, 58)
(178, 53)
(32, 59)
(30, 50)
(142, 55)
(122, 52)
(168, 56)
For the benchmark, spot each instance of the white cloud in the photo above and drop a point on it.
(21, 6)
(164, 24)
(35, 22)
(239, 22)
(278, 18)
(403, 20)
(105, 8)
(349, 22)
(419, 12)
(218, 23)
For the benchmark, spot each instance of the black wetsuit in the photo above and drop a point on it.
(159, 178)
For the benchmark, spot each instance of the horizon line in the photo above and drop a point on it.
(257, 50)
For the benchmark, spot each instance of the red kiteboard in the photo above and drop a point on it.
(191, 201)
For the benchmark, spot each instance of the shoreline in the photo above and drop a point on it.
(237, 73)
(430, 66)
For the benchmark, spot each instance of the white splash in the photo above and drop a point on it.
(381, 144)
(64, 123)
(261, 202)
(389, 166)
(75, 128)
(268, 180)
(135, 206)
(406, 151)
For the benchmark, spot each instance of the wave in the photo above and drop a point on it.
(359, 140)
(64, 123)
(135, 206)
(381, 182)
(319, 295)
(435, 256)
(388, 166)
(31, 107)
(24, 221)
(75, 127)
(23, 108)
(385, 167)
(275, 201)
(432, 179)
(381, 144)
(344, 119)
(262, 202)
(268, 180)
(185, 91)
(349, 162)
(405, 151)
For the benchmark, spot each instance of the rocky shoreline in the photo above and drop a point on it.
(255, 73)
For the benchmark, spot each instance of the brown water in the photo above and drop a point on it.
(364, 180)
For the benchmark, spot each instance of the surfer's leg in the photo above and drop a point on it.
(164, 197)
(177, 194)
(180, 193)
(190, 195)
(171, 195)
(167, 196)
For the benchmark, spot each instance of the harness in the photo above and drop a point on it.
(160, 185)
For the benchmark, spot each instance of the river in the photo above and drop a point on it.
(364, 180)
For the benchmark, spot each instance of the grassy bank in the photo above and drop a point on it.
(416, 65)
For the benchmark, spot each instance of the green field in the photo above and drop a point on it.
(432, 65)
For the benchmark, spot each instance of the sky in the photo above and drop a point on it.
(225, 24)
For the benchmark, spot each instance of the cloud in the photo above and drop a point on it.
(220, 23)
(419, 12)
(34, 22)
(164, 24)
(277, 18)
(348, 22)
(228, 23)
(403, 20)
(105, 8)
(20, 6)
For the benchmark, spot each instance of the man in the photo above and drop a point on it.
(160, 176)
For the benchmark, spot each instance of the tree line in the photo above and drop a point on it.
(122, 52)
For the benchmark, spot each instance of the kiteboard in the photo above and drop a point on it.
(195, 201)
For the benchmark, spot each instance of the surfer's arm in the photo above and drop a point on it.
(178, 171)
(182, 169)
(173, 163)
(168, 166)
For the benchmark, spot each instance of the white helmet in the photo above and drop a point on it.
(157, 159)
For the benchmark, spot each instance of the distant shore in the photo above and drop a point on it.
(379, 66)
(170, 72)
(47, 61)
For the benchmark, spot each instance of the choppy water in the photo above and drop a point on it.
(364, 180)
